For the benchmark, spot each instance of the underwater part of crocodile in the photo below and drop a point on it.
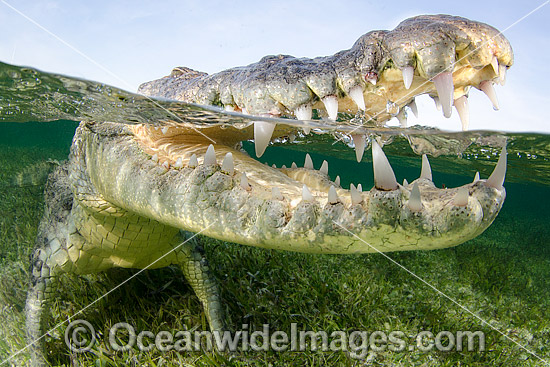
(128, 191)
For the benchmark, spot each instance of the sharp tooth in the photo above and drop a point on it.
(415, 204)
(384, 178)
(179, 163)
(476, 177)
(227, 165)
(487, 88)
(356, 94)
(308, 162)
(304, 112)
(502, 74)
(359, 188)
(331, 105)
(414, 108)
(244, 182)
(337, 181)
(426, 171)
(360, 143)
(306, 130)
(371, 77)
(445, 89)
(356, 197)
(494, 64)
(283, 166)
(324, 168)
(332, 196)
(164, 130)
(155, 157)
(306, 194)
(437, 103)
(166, 165)
(210, 156)
(276, 194)
(461, 105)
(193, 161)
(496, 179)
(461, 197)
(408, 73)
(229, 108)
(293, 165)
(405, 182)
(262, 135)
(402, 117)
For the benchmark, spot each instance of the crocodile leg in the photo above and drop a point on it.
(196, 271)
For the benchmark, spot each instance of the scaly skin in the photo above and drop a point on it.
(127, 191)
(281, 84)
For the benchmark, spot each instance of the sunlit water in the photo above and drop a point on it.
(39, 113)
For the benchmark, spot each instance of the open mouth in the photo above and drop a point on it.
(300, 191)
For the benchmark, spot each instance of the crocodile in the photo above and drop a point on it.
(130, 194)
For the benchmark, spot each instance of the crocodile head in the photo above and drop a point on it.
(195, 177)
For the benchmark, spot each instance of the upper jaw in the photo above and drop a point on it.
(439, 55)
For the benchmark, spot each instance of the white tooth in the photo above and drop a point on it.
(356, 197)
(331, 105)
(283, 166)
(405, 182)
(332, 196)
(193, 161)
(476, 177)
(244, 182)
(306, 130)
(306, 194)
(502, 74)
(155, 157)
(494, 64)
(496, 179)
(487, 88)
(461, 105)
(179, 163)
(227, 165)
(461, 197)
(408, 73)
(308, 162)
(262, 135)
(166, 165)
(293, 165)
(156, 127)
(337, 181)
(324, 168)
(276, 194)
(304, 112)
(426, 171)
(415, 204)
(384, 178)
(351, 186)
(359, 188)
(445, 89)
(402, 117)
(437, 103)
(274, 165)
(356, 94)
(414, 108)
(371, 79)
(360, 143)
(229, 108)
(210, 156)
(164, 130)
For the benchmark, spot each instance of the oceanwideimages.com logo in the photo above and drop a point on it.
(80, 336)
